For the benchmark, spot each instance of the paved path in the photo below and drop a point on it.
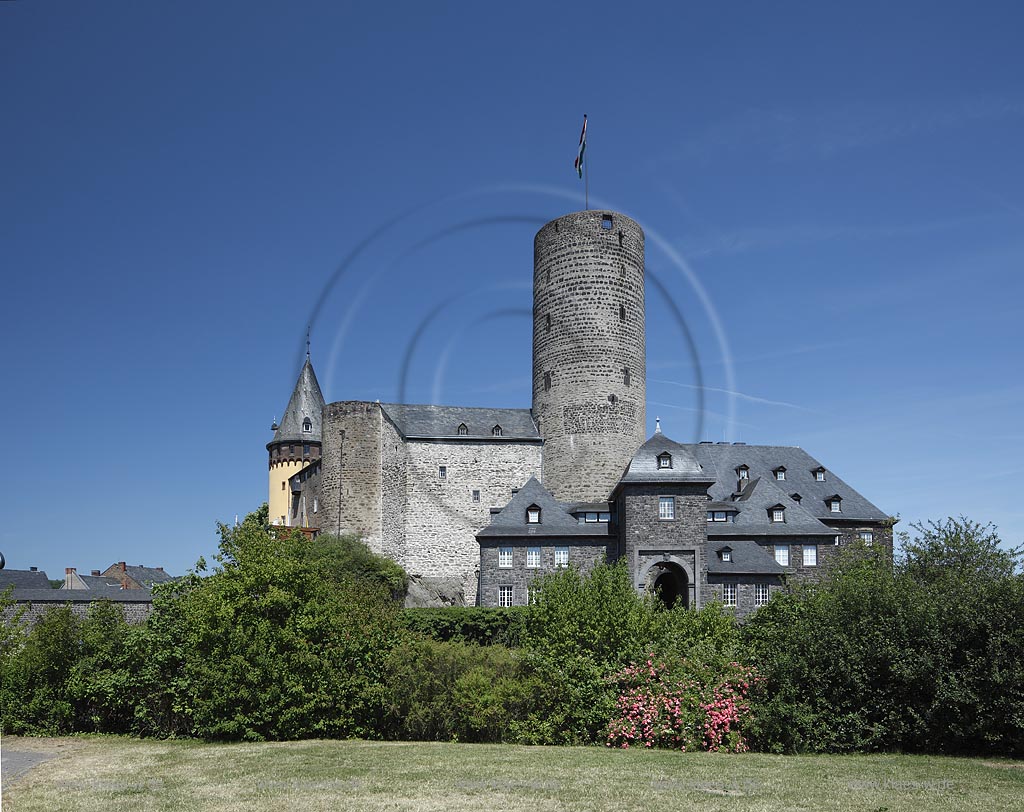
(15, 763)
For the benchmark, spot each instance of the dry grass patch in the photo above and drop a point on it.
(90, 774)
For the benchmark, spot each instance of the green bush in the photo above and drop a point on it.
(468, 624)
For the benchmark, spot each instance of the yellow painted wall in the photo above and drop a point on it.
(280, 499)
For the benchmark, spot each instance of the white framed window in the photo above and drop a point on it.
(778, 514)
(819, 475)
(666, 507)
(591, 517)
(664, 460)
(442, 473)
(496, 431)
(810, 555)
(782, 554)
(307, 426)
(780, 474)
(504, 557)
(533, 515)
(761, 594)
(476, 496)
(718, 516)
(561, 556)
(727, 555)
(505, 595)
(532, 558)
(866, 536)
(743, 472)
(604, 517)
(835, 505)
(463, 429)
(729, 594)
(316, 504)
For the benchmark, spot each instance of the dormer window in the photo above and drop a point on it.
(780, 473)
(725, 554)
(795, 497)
(496, 431)
(463, 429)
(835, 503)
(665, 460)
(307, 426)
(743, 473)
(721, 516)
(777, 513)
(819, 474)
(533, 515)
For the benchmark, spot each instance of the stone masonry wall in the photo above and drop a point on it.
(582, 555)
(350, 476)
(588, 329)
(135, 612)
(442, 519)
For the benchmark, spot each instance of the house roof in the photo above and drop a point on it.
(722, 459)
(306, 401)
(82, 595)
(644, 465)
(148, 576)
(432, 421)
(99, 583)
(753, 504)
(555, 519)
(24, 579)
(748, 558)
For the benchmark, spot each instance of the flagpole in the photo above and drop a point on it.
(586, 183)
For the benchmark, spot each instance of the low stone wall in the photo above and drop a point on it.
(33, 603)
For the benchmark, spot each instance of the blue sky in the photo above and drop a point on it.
(832, 197)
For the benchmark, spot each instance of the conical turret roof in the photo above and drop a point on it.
(306, 403)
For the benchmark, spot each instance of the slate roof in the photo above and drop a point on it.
(148, 576)
(555, 519)
(644, 465)
(99, 583)
(721, 460)
(748, 558)
(758, 497)
(306, 401)
(23, 579)
(433, 422)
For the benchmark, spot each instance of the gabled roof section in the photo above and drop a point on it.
(722, 459)
(441, 422)
(24, 579)
(759, 497)
(555, 519)
(644, 465)
(748, 558)
(306, 403)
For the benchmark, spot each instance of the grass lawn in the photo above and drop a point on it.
(94, 773)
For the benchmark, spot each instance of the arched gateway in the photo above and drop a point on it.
(670, 582)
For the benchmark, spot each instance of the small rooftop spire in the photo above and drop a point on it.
(307, 342)
(657, 425)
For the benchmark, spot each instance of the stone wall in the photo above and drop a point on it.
(746, 587)
(136, 609)
(588, 330)
(350, 476)
(583, 553)
(441, 516)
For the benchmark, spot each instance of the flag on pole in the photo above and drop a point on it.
(583, 148)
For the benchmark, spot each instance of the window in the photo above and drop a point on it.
(604, 517)
(442, 473)
(866, 536)
(547, 381)
(504, 557)
(291, 449)
(743, 472)
(780, 474)
(729, 594)
(591, 517)
(795, 497)
(316, 504)
(606, 222)
(778, 514)
(547, 323)
(305, 449)
(718, 516)
(835, 505)
(504, 596)
(782, 554)
(533, 515)
(665, 460)
(810, 555)
(463, 429)
(761, 594)
(532, 557)
(666, 507)
(622, 312)
(476, 496)
(625, 375)
(819, 475)
(284, 485)
(496, 431)
(307, 425)
(561, 556)
(727, 555)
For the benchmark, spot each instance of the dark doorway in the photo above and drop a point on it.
(670, 584)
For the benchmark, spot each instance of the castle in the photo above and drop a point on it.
(475, 503)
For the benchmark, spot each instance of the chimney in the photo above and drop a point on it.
(33, 569)
(94, 572)
(159, 569)
(123, 566)
(69, 577)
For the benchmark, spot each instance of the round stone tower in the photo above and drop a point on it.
(589, 367)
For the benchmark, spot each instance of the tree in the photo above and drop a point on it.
(957, 549)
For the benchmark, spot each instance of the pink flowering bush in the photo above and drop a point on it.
(687, 707)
